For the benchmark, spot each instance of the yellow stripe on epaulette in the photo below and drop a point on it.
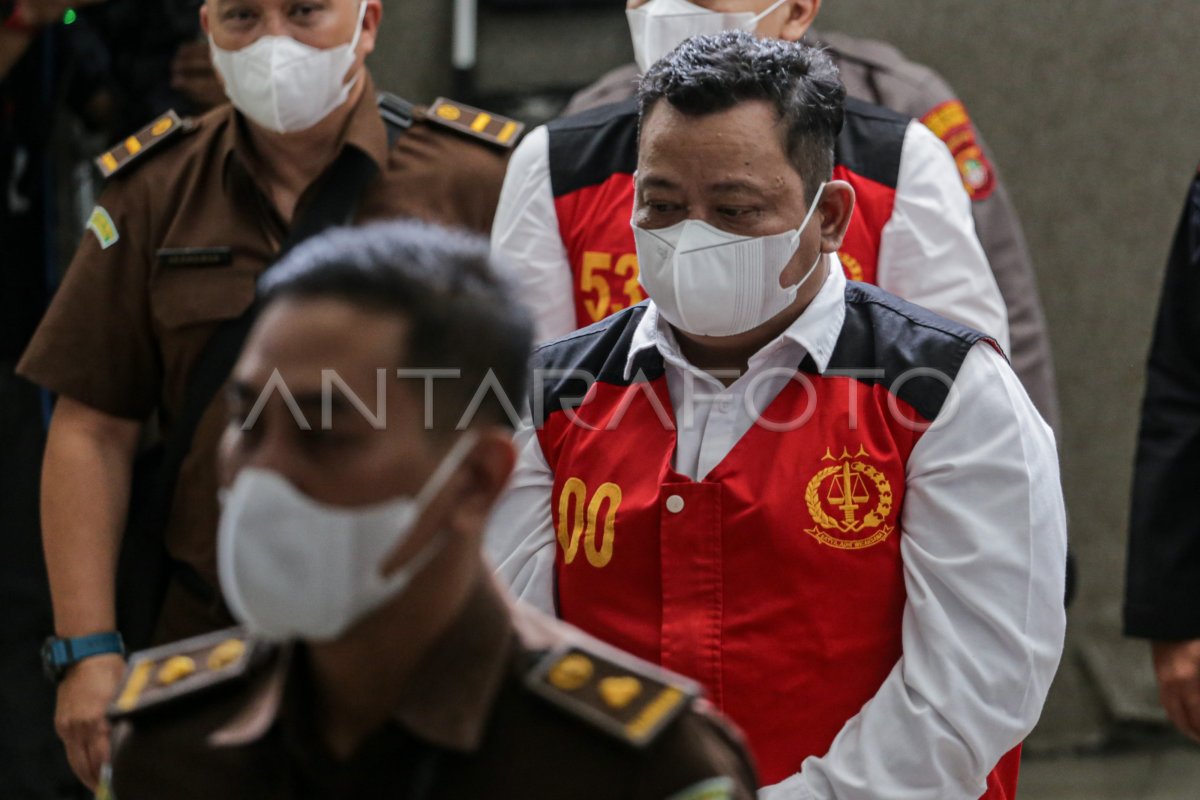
(142, 142)
(476, 123)
(624, 696)
(182, 668)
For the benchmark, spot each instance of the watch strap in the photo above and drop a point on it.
(64, 652)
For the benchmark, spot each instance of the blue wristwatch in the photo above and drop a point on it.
(58, 654)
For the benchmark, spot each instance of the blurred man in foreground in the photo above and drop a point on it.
(381, 659)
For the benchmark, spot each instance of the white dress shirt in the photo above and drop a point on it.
(929, 253)
(983, 548)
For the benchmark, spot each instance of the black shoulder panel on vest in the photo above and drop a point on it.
(588, 148)
(871, 142)
(915, 353)
(564, 369)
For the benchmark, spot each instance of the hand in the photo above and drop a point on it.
(1177, 668)
(38, 13)
(193, 76)
(83, 697)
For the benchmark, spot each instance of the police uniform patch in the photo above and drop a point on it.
(619, 694)
(101, 224)
(473, 122)
(950, 123)
(137, 145)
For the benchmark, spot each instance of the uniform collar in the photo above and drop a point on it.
(815, 332)
(364, 130)
(449, 695)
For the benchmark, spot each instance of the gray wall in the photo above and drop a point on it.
(1090, 109)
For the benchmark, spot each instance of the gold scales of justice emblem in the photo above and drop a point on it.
(849, 502)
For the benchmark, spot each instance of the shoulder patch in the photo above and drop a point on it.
(483, 125)
(158, 676)
(139, 144)
(950, 123)
(101, 224)
(619, 694)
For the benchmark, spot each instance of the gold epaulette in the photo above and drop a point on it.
(158, 676)
(622, 695)
(483, 125)
(135, 147)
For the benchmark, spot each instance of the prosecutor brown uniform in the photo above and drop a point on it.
(507, 703)
(173, 249)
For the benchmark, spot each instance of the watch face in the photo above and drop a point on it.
(50, 668)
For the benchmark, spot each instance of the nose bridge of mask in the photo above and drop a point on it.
(670, 8)
(697, 235)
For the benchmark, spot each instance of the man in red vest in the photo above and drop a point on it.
(837, 510)
(568, 194)
(875, 72)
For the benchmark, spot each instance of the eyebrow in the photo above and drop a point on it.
(308, 402)
(720, 187)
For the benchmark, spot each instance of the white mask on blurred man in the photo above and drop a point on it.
(293, 568)
(658, 27)
(285, 85)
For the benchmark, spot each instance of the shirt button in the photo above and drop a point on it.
(674, 504)
(724, 404)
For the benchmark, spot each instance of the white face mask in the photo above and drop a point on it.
(660, 26)
(707, 282)
(293, 568)
(285, 85)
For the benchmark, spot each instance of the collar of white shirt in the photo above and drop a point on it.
(814, 332)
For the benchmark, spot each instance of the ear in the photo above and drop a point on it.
(204, 18)
(372, 17)
(486, 472)
(836, 207)
(800, 16)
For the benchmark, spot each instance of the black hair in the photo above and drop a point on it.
(461, 315)
(707, 74)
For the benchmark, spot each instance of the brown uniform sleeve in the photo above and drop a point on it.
(879, 73)
(96, 344)
(701, 757)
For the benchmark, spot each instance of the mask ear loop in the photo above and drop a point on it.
(449, 464)
(800, 232)
(437, 481)
(754, 22)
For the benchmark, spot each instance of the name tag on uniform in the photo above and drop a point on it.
(195, 257)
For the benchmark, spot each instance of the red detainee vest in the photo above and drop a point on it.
(777, 579)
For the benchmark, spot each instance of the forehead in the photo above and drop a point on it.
(749, 137)
(305, 336)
